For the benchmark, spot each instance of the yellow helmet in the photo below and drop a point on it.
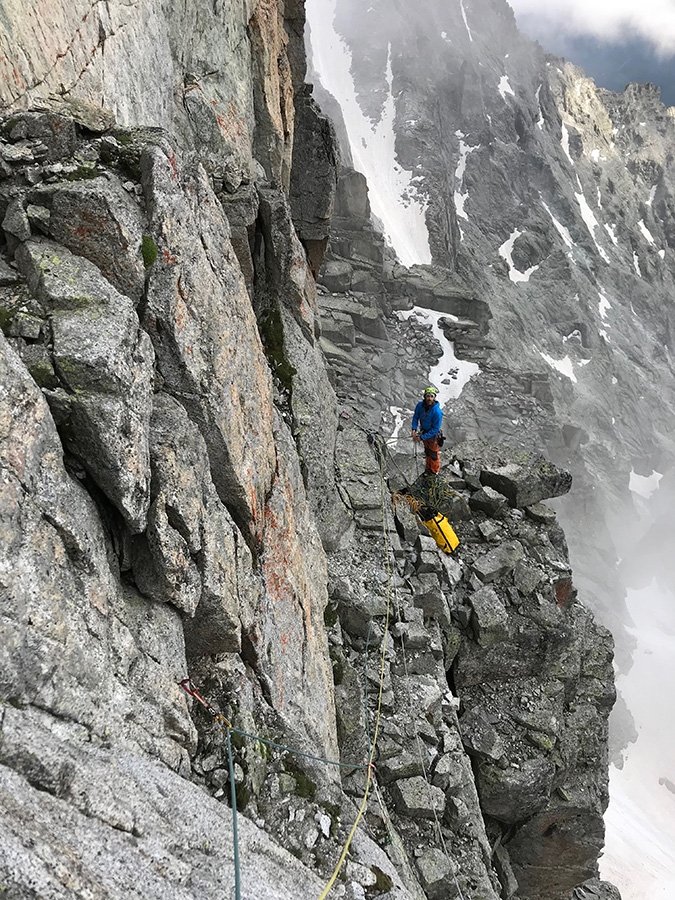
(430, 390)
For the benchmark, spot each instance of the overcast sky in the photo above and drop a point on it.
(611, 20)
(613, 41)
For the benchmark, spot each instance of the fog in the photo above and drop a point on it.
(640, 848)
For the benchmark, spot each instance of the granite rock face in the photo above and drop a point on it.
(208, 349)
(154, 512)
(198, 451)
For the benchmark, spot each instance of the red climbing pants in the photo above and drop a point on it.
(432, 453)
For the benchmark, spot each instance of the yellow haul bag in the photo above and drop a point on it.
(442, 532)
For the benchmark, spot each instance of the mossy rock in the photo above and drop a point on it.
(149, 251)
(38, 362)
(272, 334)
(6, 318)
(305, 787)
(383, 882)
(84, 172)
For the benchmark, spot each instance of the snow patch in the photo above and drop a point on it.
(636, 264)
(565, 141)
(662, 254)
(564, 366)
(644, 485)
(461, 198)
(540, 120)
(604, 305)
(466, 24)
(504, 87)
(393, 194)
(506, 253)
(646, 232)
(611, 231)
(399, 418)
(562, 231)
(449, 374)
(589, 219)
(444, 35)
(595, 155)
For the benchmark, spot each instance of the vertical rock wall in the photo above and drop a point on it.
(174, 473)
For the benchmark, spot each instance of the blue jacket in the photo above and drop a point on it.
(429, 420)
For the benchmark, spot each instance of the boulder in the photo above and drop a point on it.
(352, 196)
(489, 501)
(104, 362)
(436, 873)
(416, 798)
(594, 889)
(15, 223)
(429, 597)
(489, 619)
(498, 562)
(336, 276)
(403, 765)
(97, 219)
(516, 793)
(561, 843)
(525, 484)
(479, 736)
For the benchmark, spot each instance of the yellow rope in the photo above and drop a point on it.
(414, 504)
(378, 715)
(422, 763)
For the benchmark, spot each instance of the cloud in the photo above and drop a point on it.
(613, 20)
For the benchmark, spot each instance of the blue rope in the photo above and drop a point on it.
(329, 762)
(235, 833)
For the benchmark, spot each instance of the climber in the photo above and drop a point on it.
(426, 427)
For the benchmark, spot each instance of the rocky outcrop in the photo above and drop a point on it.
(153, 508)
(188, 489)
(316, 165)
(199, 317)
(103, 363)
(550, 199)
